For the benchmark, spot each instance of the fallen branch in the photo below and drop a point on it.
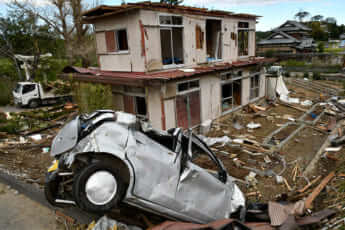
(318, 189)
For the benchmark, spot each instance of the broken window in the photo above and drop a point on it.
(116, 40)
(135, 101)
(188, 86)
(231, 95)
(243, 39)
(28, 88)
(214, 39)
(199, 36)
(171, 39)
(254, 86)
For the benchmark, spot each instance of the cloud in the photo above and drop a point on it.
(239, 2)
(36, 3)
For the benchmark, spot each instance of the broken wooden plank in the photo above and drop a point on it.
(309, 185)
(291, 106)
(308, 202)
(287, 185)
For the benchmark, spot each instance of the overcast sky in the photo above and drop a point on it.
(273, 12)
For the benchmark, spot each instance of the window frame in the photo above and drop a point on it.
(243, 29)
(170, 27)
(189, 90)
(116, 40)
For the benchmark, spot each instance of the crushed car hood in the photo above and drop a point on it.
(66, 139)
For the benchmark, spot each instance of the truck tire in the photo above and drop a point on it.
(33, 103)
(98, 188)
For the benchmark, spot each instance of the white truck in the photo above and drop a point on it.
(31, 94)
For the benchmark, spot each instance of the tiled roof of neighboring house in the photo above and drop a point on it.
(138, 78)
(286, 39)
(105, 11)
(307, 43)
(296, 26)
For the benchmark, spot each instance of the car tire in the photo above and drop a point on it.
(51, 191)
(87, 186)
(33, 104)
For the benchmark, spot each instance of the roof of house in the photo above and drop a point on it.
(284, 38)
(139, 78)
(105, 10)
(295, 26)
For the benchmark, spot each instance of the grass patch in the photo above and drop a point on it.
(334, 50)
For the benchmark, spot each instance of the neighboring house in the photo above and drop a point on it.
(291, 37)
(175, 65)
(342, 41)
(334, 44)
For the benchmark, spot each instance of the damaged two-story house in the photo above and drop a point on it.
(175, 65)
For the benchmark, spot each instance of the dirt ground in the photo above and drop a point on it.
(19, 212)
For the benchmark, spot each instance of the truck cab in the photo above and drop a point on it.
(27, 94)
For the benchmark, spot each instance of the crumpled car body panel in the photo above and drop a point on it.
(157, 183)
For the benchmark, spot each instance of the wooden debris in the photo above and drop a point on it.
(309, 185)
(64, 216)
(291, 106)
(317, 190)
(287, 185)
(341, 175)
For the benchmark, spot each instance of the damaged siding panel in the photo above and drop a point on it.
(262, 92)
(130, 60)
(170, 114)
(210, 97)
(101, 45)
(245, 91)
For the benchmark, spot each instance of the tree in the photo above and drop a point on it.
(65, 18)
(331, 20)
(172, 2)
(22, 34)
(301, 15)
(316, 18)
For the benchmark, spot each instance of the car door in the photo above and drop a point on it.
(156, 171)
(203, 195)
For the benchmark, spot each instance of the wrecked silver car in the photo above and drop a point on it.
(107, 157)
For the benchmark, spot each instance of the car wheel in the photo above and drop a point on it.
(98, 188)
(33, 104)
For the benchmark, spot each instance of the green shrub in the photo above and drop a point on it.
(6, 87)
(7, 69)
(316, 76)
(293, 63)
(306, 75)
(321, 47)
(49, 69)
(91, 96)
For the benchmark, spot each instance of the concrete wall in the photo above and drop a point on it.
(130, 61)
(245, 89)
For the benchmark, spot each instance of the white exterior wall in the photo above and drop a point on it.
(170, 113)
(245, 97)
(210, 90)
(262, 91)
(192, 56)
(131, 61)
